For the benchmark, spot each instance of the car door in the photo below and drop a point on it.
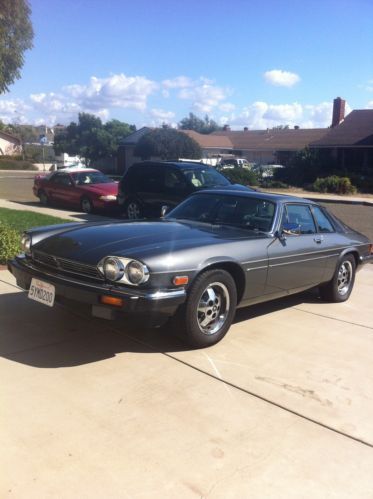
(175, 188)
(297, 258)
(150, 188)
(60, 188)
(330, 240)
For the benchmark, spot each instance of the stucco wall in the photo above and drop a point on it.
(9, 147)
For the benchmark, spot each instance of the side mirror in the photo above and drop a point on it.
(164, 210)
(290, 229)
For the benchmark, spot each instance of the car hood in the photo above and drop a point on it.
(141, 240)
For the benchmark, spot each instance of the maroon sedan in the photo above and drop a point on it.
(82, 188)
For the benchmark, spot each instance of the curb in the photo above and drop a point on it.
(341, 201)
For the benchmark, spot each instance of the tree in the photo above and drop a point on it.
(91, 139)
(280, 127)
(167, 143)
(192, 122)
(16, 35)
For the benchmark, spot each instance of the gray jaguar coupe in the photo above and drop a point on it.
(216, 251)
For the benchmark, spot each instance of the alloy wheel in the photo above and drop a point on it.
(213, 308)
(345, 274)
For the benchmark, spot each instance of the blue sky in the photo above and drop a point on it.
(247, 63)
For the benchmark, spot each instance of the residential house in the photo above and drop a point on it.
(9, 144)
(350, 143)
(270, 146)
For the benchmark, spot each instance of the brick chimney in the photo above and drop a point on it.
(338, 111)
(226, 128)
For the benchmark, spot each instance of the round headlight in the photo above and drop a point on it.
(113, 269)
(137, 273)
(26, 243)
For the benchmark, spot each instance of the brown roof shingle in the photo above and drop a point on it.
(210, 140)
(288, 139)
(356, 129)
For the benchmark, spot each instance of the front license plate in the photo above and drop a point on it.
(41, 291)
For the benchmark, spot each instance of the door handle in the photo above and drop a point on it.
(318, 239)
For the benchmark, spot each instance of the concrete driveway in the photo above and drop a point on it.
(281, 408)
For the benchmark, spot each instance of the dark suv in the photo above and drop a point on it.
(149, 185)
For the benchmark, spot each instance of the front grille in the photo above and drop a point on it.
(65, 266)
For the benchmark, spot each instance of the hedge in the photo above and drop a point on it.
(334, 184)
(10, 243)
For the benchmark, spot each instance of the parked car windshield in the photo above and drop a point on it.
(205, 177)
(82, 178)
(251, 213)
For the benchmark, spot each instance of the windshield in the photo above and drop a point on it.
(83, 178)
(207, 177)
(251, 213)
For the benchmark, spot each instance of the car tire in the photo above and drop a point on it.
(133, 210)
(340, 287)
(210, 308)
(86, 205)
(44, 200)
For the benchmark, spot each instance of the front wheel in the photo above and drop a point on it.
(43, 198)
(133, 210)
(86, 205)
(340, 287)
(210, 308)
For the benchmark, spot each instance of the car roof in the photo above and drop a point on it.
(77, 170)
(278, 198)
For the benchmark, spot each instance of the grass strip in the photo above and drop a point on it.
(13, 223)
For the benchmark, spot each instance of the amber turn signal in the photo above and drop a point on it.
(180, 280)
(111, 300)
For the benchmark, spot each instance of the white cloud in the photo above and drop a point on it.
(227, 107)
(161, 114)
(284, 112)
(370, 105)
(128, 92)
(178, 82)
(13, 111)
(281, 78)
(204, 97)
(262, 115)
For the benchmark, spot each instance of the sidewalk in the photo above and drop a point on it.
(332, 198)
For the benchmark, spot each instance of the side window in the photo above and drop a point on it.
(323, 223)
(62, 179)
(174, 181)
(152, 179)
(300, 214)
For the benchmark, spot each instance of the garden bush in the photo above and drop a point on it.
(10, 243)
(334, 184)
(241, 176)
(269, 183)
(14, 164)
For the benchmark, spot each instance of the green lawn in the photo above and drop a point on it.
(21, 220)
(13, 223)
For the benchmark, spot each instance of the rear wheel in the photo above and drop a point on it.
(340, 287)
(43, 198)
(210, 308)
(86, 205)
(133, 210)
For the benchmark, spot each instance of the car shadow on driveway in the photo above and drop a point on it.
(35, 335)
